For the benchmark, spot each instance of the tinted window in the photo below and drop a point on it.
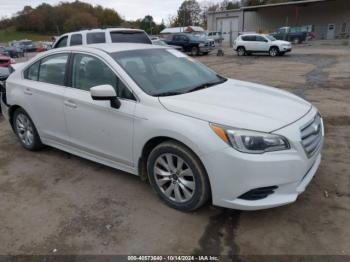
(259, 38)
(96, 38)
(32, 72)
(89, 71)
(130, 37)
(62, 42)
(53, 69)
(76, 39)
(248, 38)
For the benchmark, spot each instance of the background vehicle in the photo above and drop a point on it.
(5, 61)
(154, 112)
(15, 51)
(192, 43)
(25, 45)
(291, 34)
(4, 73)
(216, 36)
(256, 43)
(163, 43)
(98, 36)
(4, 51)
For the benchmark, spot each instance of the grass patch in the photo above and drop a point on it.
(10, 34)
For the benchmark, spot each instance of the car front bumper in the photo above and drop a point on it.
(233, 174)
(286, 49)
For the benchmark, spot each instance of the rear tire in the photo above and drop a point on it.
(241, 51)
(178, 177)
(26, 131)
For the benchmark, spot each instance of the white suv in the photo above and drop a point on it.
(100, 36)
(256, 43)
(155, 112)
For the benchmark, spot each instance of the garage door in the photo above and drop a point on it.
(226, 25)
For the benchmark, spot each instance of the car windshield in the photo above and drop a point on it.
(166, 72)
(271, 38)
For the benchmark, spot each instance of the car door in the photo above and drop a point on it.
(261, 44)
(94, 127)
(44, 87)
(249, 42)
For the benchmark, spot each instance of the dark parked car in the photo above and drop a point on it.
(26, 45)
(291, 34)
(3, 51)
(195, 44)
(15, 51)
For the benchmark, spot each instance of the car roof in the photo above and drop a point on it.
(110, 47)
(97, 30)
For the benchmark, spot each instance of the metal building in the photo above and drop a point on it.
(327, 19)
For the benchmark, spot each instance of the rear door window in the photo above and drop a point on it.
(53, 69)
(130, 37)
(96, 38)
(76, 39)
(32, 72)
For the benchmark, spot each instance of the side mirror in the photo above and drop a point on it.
(105, 92)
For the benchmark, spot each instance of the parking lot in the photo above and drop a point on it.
(55, 203)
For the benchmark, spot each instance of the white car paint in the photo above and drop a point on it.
(262, 43)
(68, 119)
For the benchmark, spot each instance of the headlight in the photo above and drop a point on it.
(201, 44)
(252, 142)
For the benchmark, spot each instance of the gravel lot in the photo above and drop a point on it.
(52, 202)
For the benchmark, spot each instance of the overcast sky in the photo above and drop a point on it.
(128, 9)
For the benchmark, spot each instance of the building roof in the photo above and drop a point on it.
(174, 30)
(284, 4)
(255, 7)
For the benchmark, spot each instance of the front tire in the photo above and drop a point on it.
(194, 51)
(26, 131)
(274, 51)
(178, 177)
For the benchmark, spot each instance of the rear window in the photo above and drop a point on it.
(130, 37)
(96, 38)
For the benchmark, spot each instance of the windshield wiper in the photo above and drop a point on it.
(170, 93)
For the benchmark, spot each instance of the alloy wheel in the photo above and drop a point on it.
(24, 129)
(174, 177)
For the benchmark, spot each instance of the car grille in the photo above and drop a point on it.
(312, 135)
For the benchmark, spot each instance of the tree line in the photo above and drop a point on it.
(67, 17)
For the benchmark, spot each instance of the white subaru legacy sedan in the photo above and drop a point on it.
(154, 112)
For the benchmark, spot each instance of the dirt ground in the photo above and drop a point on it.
(55, 203)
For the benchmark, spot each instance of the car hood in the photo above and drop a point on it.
(240, 104)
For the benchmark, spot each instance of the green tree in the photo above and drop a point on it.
(188, 14)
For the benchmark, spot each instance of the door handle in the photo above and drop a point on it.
(70, 103)
(27, 91)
